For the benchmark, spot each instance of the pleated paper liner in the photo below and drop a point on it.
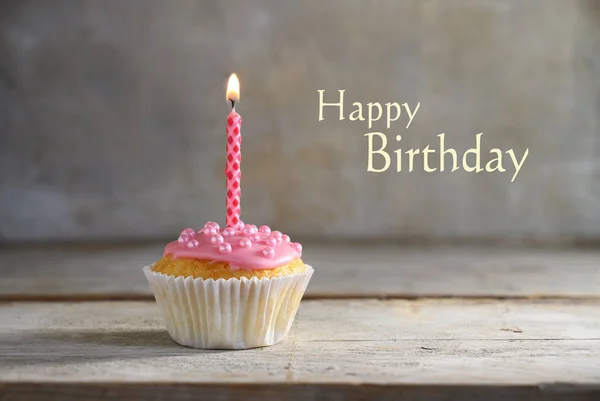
(228, 314)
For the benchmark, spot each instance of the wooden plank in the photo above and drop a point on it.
(341, 271)
(520, 344)
(291, 392)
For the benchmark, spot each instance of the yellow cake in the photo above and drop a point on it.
(205, 269)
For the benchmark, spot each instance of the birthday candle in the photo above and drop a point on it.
(234, 155)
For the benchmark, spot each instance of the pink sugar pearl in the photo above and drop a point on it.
(254, 237)
(297, 247)
(193, 243)
(250, 229)
(183, 238)
(268, 252)
(225, 248)
(264, 230)
(212, 224)
(246, 243)
(285, 238)
(228, 232)
(271, 241)
(216, 239)
(209, 231)
(190, 232)
(276, 234)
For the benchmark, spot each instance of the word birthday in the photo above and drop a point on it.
(379, 157)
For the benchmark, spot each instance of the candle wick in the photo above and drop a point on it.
(232, 104)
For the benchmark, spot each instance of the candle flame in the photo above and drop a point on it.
(233, 89)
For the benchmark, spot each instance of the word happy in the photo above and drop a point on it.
(380, 156)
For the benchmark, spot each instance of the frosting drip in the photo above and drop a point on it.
(243, 247)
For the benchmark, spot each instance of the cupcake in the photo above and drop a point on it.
(229, 288)
(234, 287)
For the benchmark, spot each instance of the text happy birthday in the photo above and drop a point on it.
(380, 156)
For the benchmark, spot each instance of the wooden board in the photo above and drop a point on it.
(338, 350)
(341, 271)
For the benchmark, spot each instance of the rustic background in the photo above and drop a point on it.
(112, 116)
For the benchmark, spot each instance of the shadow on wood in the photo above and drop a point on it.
(92, 346)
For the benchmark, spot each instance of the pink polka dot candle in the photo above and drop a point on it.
(234, 156)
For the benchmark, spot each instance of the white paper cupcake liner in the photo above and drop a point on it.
(228, 314)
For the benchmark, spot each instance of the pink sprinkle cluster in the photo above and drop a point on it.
(225, 239)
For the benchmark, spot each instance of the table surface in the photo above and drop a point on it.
(424, 323)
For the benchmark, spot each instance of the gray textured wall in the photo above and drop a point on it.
(112, 115)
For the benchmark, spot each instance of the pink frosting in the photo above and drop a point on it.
(246, 247)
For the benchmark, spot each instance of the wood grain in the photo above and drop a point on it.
(104, 272)
(394, 342)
